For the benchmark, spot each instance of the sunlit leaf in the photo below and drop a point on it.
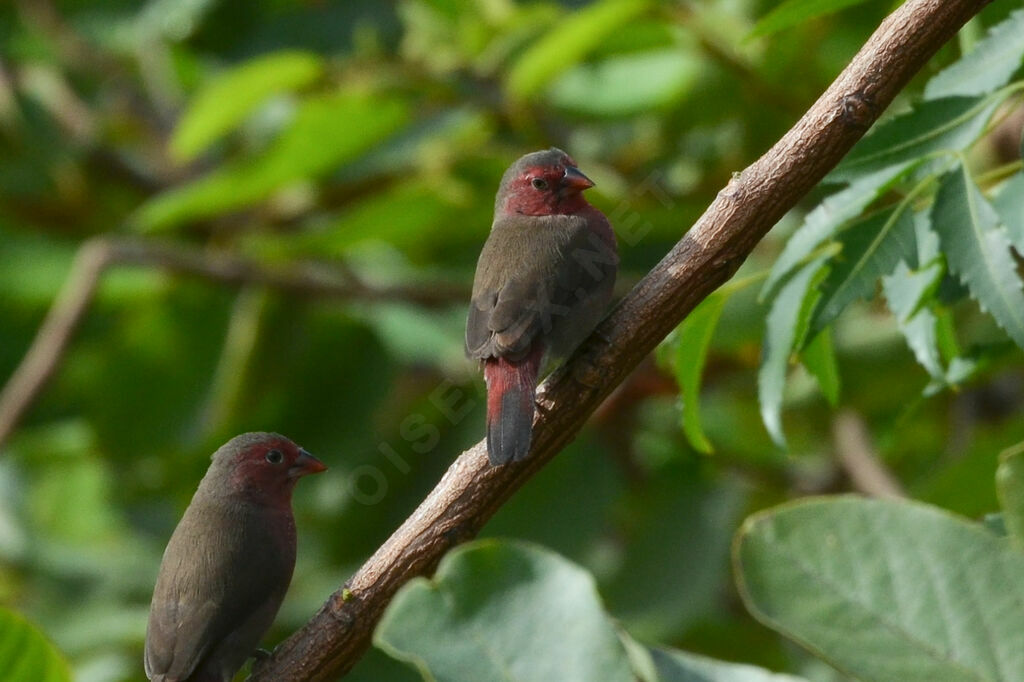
(988, 66)
(328, 130)
(226, 100)
(26, 654)
(1009, 204)
(1010, 489)
(905, 291)
(691, 352)
(978, 250)
(504, 611)
(819, 357)
(941, 125)
(886, 590)
(793, 12)
(568, 42)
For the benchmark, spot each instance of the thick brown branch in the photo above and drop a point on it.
(97, 256)
(471, 491)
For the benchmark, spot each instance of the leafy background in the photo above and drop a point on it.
(365, 140)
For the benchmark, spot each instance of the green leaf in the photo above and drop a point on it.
(988, 66)
(943, 125)
(626, 84)
(906, 290)
(978, 250)
(504, 611)
(871, 248)
(328, 130)
(225, 102)
(886, 590)
(571, 39)
(673, 665)
(1009, 204)
(784, 328)
(1010, 489)
(819, 357)
(826, 219)
(792, 12)
(26, 654)
(691, 353)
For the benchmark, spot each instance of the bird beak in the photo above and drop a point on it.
(305, 464)
(576, 180)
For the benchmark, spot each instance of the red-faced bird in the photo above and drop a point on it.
(228, 563)
(543, 281)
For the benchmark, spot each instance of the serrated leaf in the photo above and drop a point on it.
(826, 219)
(327, 131)
(691, 352)
(1010, 489)
(1009, 204)
(26, 654)
(978, 250)
(988, 66)
(571, 39)
(905, 291)
(784, 327)
(886, 590)
(225, 102)
(504, 611)
(948, 124)
(819, 357)
(793, 12)
(871, 248)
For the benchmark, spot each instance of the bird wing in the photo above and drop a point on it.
(532, 271)
(208, 587)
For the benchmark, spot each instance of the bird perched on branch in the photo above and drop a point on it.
(543, 281)
(228, 563)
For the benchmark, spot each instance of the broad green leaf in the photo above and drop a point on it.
(978, 250)
(328, 130)
(26, 654)
(568, 42)
(871, 248)
(691, 352)
(826, 219)
(819, 357)
(626, 84)
(988, 66)
(673, 665)
(792, 12)
(504, 611)
(905, 291)
(225, 102)
(948, 124)
(784, 328)
(886, 590)
(1010, 489)
(1009, 204)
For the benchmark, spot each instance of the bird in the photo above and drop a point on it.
(228, 563)
(543, 281)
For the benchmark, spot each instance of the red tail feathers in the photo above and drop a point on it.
(510, 389)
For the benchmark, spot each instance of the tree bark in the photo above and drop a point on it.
(471, 491)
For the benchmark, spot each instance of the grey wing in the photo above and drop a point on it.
(567, 270)
(203, 593)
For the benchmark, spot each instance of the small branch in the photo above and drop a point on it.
(97, 256)
(471, 491)
(859, 460)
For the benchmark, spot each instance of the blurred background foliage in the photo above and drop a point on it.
(366, 139)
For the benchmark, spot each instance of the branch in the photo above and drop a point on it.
(96, 256)
(471, 491)
(860, 461)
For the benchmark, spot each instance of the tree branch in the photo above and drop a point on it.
(96, 256)
(471, 491)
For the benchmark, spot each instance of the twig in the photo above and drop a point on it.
(97, 256)
(859, 460)
(471, 491)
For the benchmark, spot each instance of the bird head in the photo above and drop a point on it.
(542, 183)
(263, 467)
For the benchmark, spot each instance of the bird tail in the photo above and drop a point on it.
(510, 389)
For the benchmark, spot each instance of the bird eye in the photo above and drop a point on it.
(275, 456)
(539, 183)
